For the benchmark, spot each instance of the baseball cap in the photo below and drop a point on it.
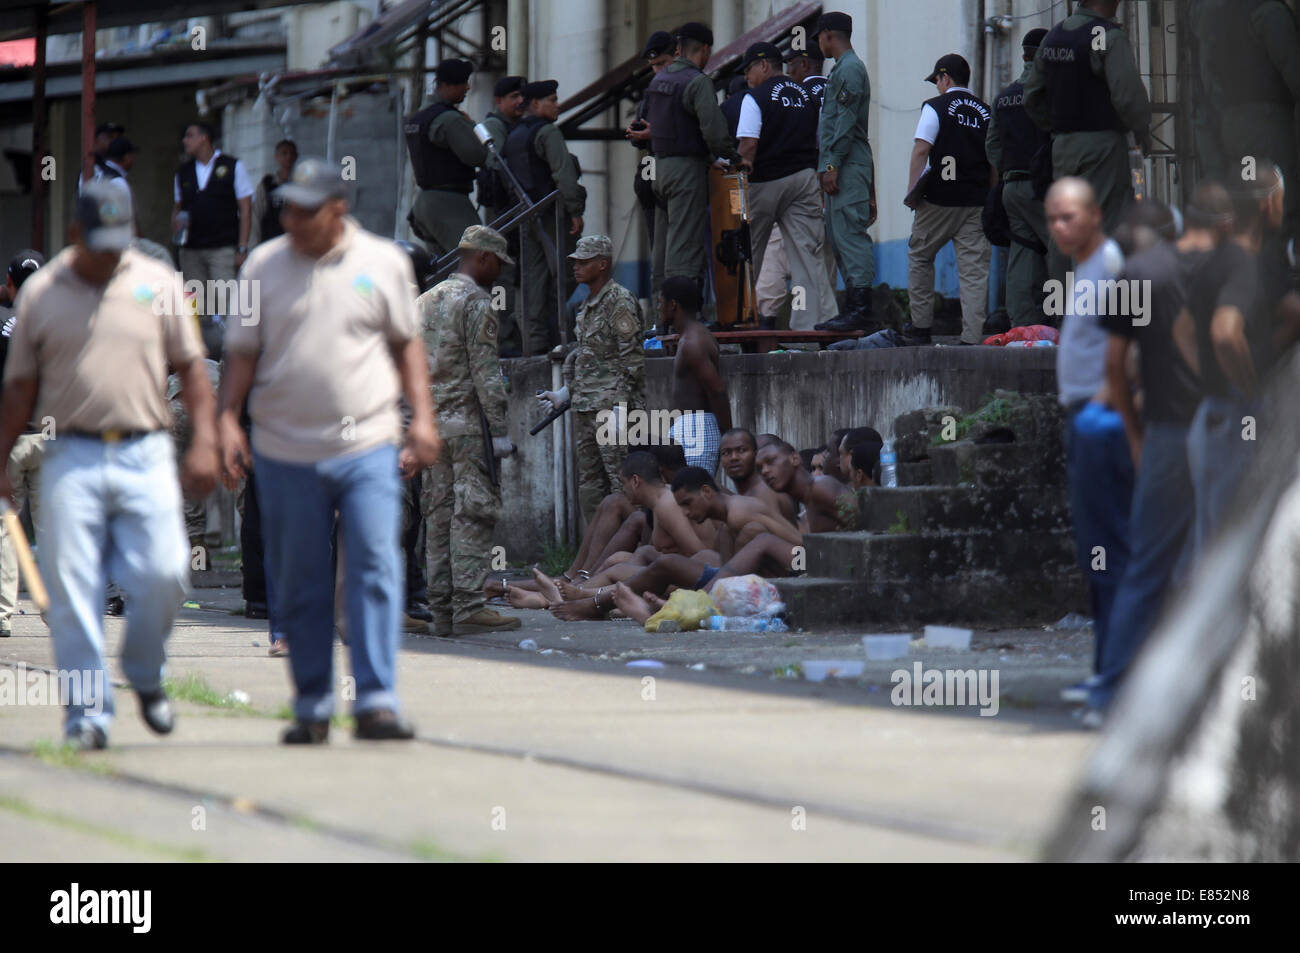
(954, 65)
(835, 22)
(120, 147)
(24, 265)
(660, 42)
(593, 246)
(105, 216)
(312, 183)
(482, 238)
(760, 51)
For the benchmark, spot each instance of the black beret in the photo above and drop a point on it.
(696, 31)
(507, 85)
(835, 22)
(660, 42)
(540, 89)
(1034, 39)
(454, 72)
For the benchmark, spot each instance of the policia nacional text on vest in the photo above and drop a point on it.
(789, 139)
(959, 165)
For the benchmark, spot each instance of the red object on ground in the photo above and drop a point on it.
(1030, 333)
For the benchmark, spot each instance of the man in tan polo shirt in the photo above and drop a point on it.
(335, 345)
(97, 328)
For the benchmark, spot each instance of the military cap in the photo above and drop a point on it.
(660, 42)
(761, 51)
(540, 89)
(593, 246)
(482, 238)
(698, 32)
(454, 72)
(507, 85)
(813, 53)
(312, 183)
(1033, 39)
(835, 23)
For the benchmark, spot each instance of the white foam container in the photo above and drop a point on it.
(947, 637)
(887, 646)
(819, 670)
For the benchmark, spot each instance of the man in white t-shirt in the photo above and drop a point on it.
(215, 191)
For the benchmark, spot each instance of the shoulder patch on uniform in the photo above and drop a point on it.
(489, 324)
(625, 324)
(843, 96)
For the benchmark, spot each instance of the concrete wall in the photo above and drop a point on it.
(800, 396)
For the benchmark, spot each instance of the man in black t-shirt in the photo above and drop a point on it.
(1163, 501)
(1234, 303)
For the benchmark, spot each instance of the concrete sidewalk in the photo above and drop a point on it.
(566, 756)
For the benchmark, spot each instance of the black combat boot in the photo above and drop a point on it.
(857, 314)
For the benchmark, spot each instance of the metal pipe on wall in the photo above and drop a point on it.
(88, 19)
(39, 120)
(517, 37)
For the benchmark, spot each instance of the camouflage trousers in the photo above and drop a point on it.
(461, 508)
(598, 464)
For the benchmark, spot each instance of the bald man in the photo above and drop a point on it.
(1097, 460)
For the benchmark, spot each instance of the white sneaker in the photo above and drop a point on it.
(1077, 694)
(1093, 719)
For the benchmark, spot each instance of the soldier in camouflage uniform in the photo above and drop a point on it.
(461, 504)
(605, 370)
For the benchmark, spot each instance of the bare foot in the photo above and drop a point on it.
(523, 599)
(632, 605)
(577, 610)
(655, 602)
(546, 586)
(569, 592)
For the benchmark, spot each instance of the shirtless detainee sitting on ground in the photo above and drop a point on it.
(829, 506)
(737, 451)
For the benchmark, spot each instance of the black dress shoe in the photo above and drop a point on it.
(87, 737)
(419, 610)
(913, 336)
(115, 606)
(156, 711)
(255, 610)
(306, 733)
(381, 724)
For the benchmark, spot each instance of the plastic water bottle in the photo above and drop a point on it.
(888, 465)
(736, 623)
(182, 234)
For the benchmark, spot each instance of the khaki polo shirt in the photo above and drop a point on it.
(100, 352)
(326, 383)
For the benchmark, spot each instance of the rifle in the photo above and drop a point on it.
(493, 473)
(550, 418)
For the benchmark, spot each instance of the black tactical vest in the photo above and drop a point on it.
(1240, 64)
(816, 86)
(532, 171)
(1080, 98)
(963, 126)
(271, 227)
(788, 140)
(214, 213)
(435, 167)
(1021, 137)
(673, 132)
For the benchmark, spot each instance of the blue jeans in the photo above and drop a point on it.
(111, 509)
(1100, 472)
(1159, 542)
(298, 504)
(1218, 457)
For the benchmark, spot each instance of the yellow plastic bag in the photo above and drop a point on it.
(687, 607)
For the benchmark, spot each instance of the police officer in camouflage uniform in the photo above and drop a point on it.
(604, 375)
(1012, 143)
(1085, 89)
(848, 171)
(686, 128)
(444, 153)
(1250, 63)
(538, 156)
(461, 502)
(508, 109)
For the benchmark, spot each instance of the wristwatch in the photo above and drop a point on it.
(830, 168)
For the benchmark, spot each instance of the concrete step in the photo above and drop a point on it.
(945, 508)
(997, 465)
(972, 598)
(876, 556)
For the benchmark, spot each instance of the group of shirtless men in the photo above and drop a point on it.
(673, 526)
